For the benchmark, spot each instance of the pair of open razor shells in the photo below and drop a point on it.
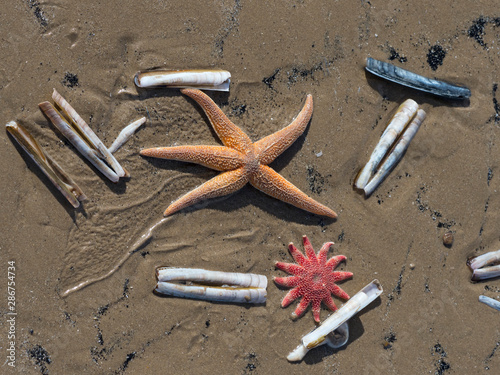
(81, 136)
(211, 285)
(391, 147)
(486, 266)
(477, 266)
(76, 130)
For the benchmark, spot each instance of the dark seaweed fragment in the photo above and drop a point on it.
(441, 364)
(129, 357)
(70, 80)
(268, 81)
(389, 339)
(315, 179)
(496, 105)
(435, 56)
(38, 12)
(41, 358)
(476, 31)
(230, 25)
(396, 56)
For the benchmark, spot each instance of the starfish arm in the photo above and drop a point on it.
(316, 306)
(341, 276)
(323, 252)
(223, 184)
(338, 292)
(291, 296)
(333, 262)
(296, 254)
(311, 255)
(288, 282)
(271, 183)
(290, 268)
(301, 308)
(229, 134)
(270, 147)
(219, 158)
(328, 300)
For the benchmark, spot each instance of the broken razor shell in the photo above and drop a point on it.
(493, 303)
(61, 180)
(125, 134)
(391, 147)
(319, 336)
(203, 79)
(211, 285)
(415, 81)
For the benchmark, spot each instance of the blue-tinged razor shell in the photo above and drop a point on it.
(406, 78)
(490, 302)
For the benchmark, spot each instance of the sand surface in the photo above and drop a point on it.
(428, 320)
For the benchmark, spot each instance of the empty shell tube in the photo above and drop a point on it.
(211, 285)
(406, 78)
(209, 79)
(319, 335)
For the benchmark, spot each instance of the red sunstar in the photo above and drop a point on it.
(313, 279)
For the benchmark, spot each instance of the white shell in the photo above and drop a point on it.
(485, 273)
(484, 259)
(81, 126)
(215, 285)
(61, 180)
(490, 302)
(77, 141)
(209, 79)
(401, 118)
(319, 336)
(396, 154)
(125, 134)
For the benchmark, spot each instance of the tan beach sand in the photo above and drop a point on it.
(428, 319)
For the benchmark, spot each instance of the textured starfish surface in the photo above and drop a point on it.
(240, 160)
(314, 279)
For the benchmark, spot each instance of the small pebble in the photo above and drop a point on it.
(412, 266)
(448, 239)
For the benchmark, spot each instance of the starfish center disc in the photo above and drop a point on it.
(251, 163)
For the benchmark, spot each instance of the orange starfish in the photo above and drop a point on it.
(240, 160)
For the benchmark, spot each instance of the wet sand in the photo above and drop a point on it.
(428, 319)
